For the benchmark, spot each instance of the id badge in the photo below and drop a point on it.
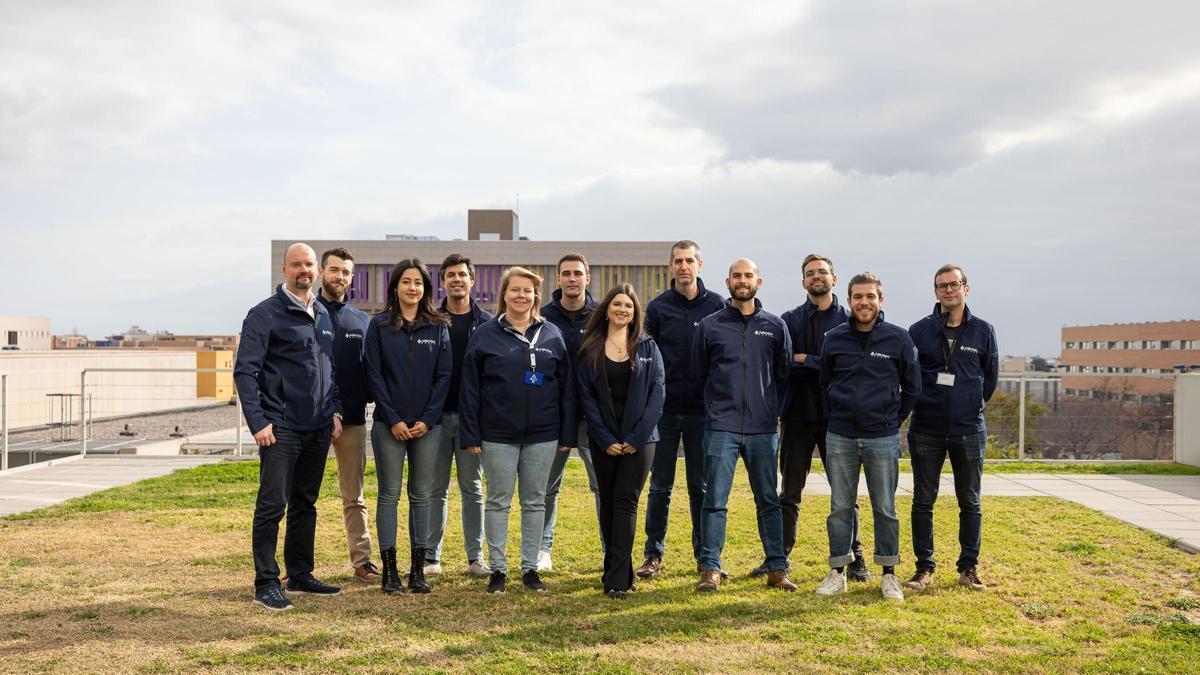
(946, 379)
(534, 378)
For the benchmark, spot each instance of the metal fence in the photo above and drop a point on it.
(147, 411)
(162, 411)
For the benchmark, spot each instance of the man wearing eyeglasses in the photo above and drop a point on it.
(803, 410)
(959, 367)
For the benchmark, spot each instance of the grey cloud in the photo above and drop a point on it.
(886, 88)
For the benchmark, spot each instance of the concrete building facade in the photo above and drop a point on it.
(25, 333)
(1128, 361)
(493, 245)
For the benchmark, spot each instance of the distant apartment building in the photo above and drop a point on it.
(1040, 387)
(1128, 361)
(25, 333)
(493, 244)
(137, 338)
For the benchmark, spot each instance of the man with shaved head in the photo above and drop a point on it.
(285, 382)
(741, 355)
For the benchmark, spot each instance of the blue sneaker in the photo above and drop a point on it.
(310, 586)
(270, 598)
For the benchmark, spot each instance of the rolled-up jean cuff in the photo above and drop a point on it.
(887, 560)
(841, 561)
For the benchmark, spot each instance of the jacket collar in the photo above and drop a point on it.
(738, 313)
(442, 308)
(678, 297)
(810, 307)
(850, 321)
(943, 317)
(332, 305)
(556, 299)
(283, 297)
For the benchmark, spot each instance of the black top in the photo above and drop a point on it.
(617, 374)
(460, 333)
(808, 408)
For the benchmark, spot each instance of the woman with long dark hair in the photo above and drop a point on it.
(408, 363)
(515, 405)
(620, 374)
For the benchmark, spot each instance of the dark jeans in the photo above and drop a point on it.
(673, 428)
(966, 460)
(795, 461)
(620, 480)
(289, 477)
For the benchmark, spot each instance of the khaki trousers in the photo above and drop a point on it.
(350, 449)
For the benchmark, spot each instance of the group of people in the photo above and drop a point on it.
(509, 397)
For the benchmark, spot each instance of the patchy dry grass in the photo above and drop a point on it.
(156, 577)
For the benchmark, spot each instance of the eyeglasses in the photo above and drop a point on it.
(949, 286)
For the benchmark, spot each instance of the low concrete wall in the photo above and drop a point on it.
(1187, 419)
(34, 376)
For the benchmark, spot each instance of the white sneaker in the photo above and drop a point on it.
(544, 562)
(433, 568)
(890, 585)
(834, 583)
(478, 568)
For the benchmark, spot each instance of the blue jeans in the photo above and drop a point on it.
(502, 464)
(966, 460)
(721, 451)
(470, 486)
(554, 484)
(880, 460)
(389, 467)
(673, 428)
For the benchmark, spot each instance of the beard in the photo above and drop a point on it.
(818, 290)
(743, 293)
(332, 291)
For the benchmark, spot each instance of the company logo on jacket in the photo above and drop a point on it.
(968, 349)
(426, 341)
(357, 336)
(764, 333)
(544, 350)
(645, 359)
(880, 356)
(327, 332)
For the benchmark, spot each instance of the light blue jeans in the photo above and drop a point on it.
(759, 454)
(389, 467)
(554, 484)
(470, 486)
(880, 460)
(503, 464)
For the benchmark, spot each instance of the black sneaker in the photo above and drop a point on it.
(496, 582)
(310, 586)
(532, 581)
(615, 594)
(270, 598)
(857, 570)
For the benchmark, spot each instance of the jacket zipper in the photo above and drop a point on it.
(745, 330)
(411, 336)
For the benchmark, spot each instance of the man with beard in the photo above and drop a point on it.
(285, 381)
(458, 278)
(959, 368)
(569, 310)
(804, 411)
(870, 370)
(350, 449)
(741, 355)
(672, 319)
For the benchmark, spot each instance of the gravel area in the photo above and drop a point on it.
(150, 426)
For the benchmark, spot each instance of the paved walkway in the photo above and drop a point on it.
(25, 489)
(1168, 505)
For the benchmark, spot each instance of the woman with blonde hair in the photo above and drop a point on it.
(516, 408)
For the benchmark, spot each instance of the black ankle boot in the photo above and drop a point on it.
(390, 577)
(416, 573)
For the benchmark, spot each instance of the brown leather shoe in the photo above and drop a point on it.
(367, 571)
(779, 579)
(710, 580)
(650, 567)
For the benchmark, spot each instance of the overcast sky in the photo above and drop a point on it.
(150, 151)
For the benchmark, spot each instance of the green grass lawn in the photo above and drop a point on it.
(156, 577)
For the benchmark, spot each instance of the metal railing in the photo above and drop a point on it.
(161, 401)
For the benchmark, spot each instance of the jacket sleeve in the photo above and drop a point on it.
(652, 411)
(589, 402)
(783, 359)
(376, 382)
(469, 399)
(432, 414)
(825, 374)
(568, 425)
(699, 356)
(991, 365)
(651, 326)
(910, 375)
(247, 371)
